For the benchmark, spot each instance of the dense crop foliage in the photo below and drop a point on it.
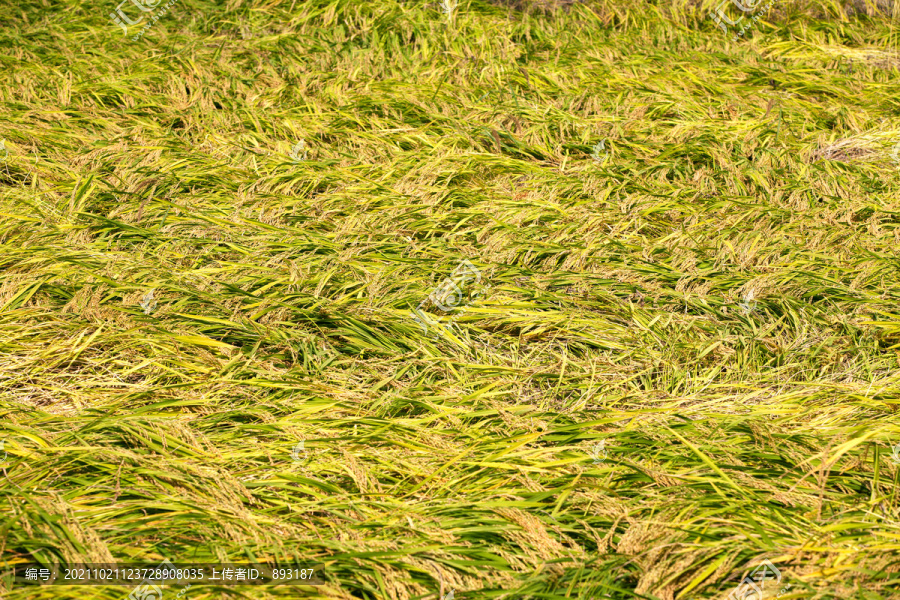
(683, 358)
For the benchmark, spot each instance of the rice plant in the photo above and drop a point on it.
(223, 227)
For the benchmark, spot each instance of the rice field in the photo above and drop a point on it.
(453, 300)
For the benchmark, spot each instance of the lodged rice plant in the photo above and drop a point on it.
(453, 299)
